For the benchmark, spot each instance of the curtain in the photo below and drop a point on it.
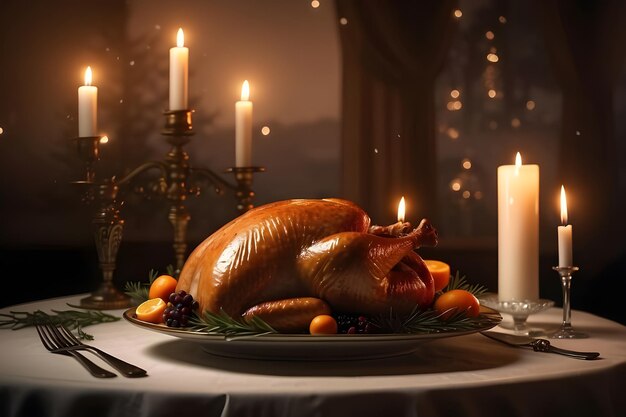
(585, 41)
(392, 52)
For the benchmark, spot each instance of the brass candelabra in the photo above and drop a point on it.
(177, 180)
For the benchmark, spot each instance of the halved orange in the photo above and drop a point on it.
(151, 310)
(440, 272)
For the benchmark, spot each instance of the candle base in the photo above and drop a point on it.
(243, 191)
(108, 229)
(567, 331)
(88, 148)
(178, 123)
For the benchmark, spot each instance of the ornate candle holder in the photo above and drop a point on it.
(243, 191)
(176, 182)
(107, 225)
(567, 331)
(108, 229)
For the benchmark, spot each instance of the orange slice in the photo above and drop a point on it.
(440, 272)
(151, 310)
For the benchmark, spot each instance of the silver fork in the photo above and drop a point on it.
(49, 340)
(70, 343)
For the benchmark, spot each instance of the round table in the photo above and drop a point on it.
(468, 375)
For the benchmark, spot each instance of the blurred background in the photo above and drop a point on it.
(365, 101)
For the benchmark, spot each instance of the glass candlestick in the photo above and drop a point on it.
(567, 331)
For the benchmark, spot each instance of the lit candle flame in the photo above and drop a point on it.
(245, 91)
(180, 38)
(563, 207)
(401, 210)
(518, 163)
(88, 76)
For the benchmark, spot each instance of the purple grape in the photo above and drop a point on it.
(179, 310)
(353, 324)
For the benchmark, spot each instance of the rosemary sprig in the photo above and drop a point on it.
(71, 319)
(139, 291)
(222, 323)
(429, 321)
(458, 282)
(82, 334)
(169, 270)
(426, 321)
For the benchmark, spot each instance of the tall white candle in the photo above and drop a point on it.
(87, 107)
(565, 234)
(243, 128)
(179, 77)
(518, 231)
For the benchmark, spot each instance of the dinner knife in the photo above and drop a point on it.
(538, 345)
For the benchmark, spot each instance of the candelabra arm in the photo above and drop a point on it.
(144, 168)
(218, 182)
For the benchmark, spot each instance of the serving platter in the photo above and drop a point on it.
(306, 347)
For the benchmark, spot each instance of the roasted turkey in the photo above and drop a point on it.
(288, 261)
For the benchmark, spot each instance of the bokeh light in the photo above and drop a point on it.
(453, 133)
(491, 57)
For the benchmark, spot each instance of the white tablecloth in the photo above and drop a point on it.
(461, 376)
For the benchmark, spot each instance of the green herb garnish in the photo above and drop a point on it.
(460, 283)
(139, 291)
(71, 319)
(430, 321)
(222, 323)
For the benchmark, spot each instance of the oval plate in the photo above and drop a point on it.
(309, 347)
